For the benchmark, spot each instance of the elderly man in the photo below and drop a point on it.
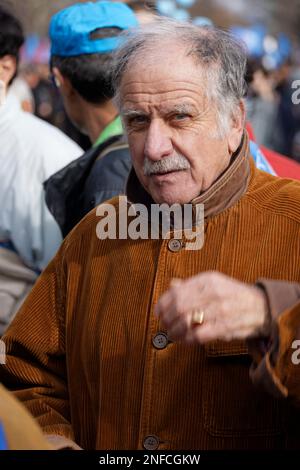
(115, 356)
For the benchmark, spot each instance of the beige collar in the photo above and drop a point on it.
(223, 193)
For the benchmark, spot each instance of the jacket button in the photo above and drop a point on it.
(160, 340)
(174, 245)
(151, 443)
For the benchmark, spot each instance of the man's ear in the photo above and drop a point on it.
(63, 83)
(237, 127)
(8, 68)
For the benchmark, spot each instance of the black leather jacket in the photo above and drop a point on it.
(98, 175)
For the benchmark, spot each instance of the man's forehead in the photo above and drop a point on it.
(164, 64)
(181, 95)
(162, 80)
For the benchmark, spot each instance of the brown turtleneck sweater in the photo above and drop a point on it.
(87, 356)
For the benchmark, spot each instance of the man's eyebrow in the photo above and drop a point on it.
(177, 108)
(181, 108)
(132, 113)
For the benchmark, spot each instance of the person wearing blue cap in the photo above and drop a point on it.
(83, 39)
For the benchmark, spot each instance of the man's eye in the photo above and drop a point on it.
(137, 120)
(181, 116)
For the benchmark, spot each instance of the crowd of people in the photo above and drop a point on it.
(145, 343)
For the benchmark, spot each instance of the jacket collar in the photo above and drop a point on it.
(223, 193)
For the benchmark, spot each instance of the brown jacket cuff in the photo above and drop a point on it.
(281, 295)
(272, 357)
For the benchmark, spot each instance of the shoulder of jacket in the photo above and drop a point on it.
(280, 196)
(116, 146)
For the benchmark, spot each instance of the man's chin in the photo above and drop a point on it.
(168, 198)
(170, 192)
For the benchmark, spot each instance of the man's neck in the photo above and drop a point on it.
(221, 195)
(97, 117)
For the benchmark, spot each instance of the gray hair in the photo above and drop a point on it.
(222, 60)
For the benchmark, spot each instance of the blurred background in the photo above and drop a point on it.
(270, 30)
(276, 15)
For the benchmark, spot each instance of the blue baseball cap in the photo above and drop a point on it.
(70, 29)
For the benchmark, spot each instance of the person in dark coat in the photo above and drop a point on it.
(83, 38)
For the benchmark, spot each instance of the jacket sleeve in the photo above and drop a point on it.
(35, 366)
(276, 360)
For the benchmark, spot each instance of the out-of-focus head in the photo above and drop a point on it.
(11, 40)
(180, 91)
(145, 10)
(83, 39)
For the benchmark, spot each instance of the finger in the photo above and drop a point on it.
(179, 324)
(166, 300)
(177, 336)
(185, 292)
(201, 334)
(169, 298)
(177, 311)
(193, 293)
(170, 316)
(163, 303)
(178, 329)
(176, 282)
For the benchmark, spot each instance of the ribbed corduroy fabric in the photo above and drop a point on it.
(81, 353)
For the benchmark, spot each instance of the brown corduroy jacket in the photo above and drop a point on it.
(87, 356)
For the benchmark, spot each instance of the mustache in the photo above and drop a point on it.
(165, 165)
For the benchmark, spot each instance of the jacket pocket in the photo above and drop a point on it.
(232, 406)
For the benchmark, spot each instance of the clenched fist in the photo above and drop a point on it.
(226, 308)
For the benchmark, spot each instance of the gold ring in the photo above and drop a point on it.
(197, 317)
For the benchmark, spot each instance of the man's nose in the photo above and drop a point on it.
(158, 141)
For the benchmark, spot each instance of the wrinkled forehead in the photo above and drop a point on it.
(162, 76)
(162, 96)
